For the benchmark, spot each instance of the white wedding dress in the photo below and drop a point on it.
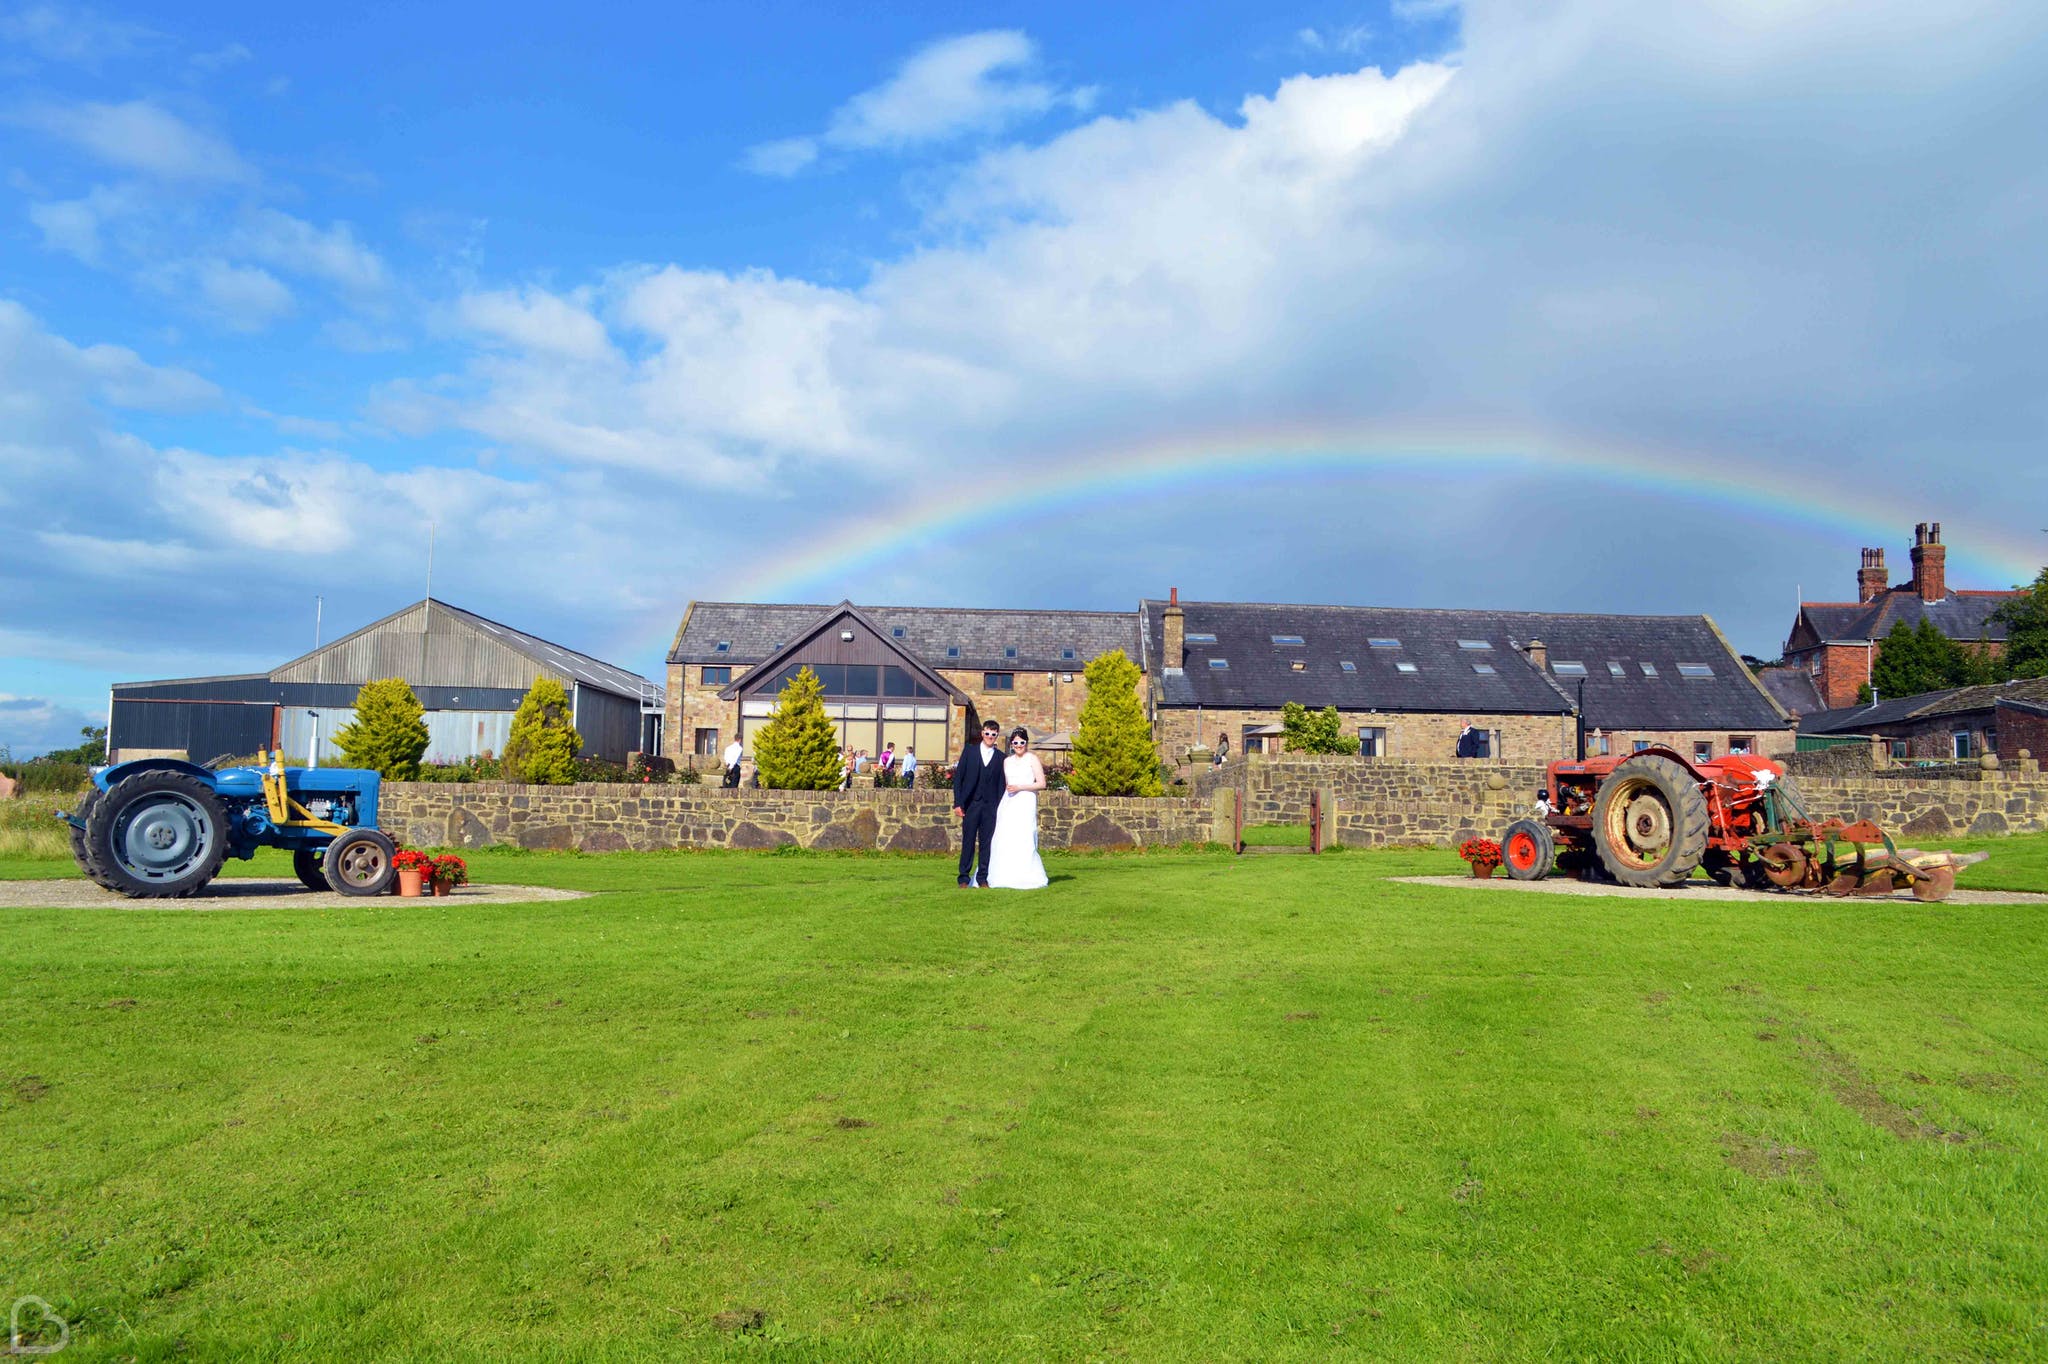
(1013, 854)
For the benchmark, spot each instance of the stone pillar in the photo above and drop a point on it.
(1326, 806)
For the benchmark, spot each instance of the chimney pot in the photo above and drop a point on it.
(1539, 654)
(1173, 645)
(1871, 579)
(1930, 562)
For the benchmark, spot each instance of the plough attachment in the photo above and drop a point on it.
(1855, 859)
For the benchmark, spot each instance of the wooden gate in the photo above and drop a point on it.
(1315, 820)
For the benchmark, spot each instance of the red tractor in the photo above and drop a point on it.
(1653, 818)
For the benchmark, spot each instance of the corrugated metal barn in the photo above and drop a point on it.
(469, 673)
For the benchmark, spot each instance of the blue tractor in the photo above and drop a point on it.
(159, 828)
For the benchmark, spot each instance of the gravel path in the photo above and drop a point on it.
(79, 893)
(1701, 892)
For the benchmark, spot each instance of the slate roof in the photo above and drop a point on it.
(1928, 705)
(1261, 675)
(1041, 638)
(1962, 615)
(1792, 688)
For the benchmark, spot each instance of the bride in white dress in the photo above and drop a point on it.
(1013, 853)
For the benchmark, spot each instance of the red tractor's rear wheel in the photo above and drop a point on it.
(1527, 850)
(1650, 822)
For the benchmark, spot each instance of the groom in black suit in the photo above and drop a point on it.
(978, 787)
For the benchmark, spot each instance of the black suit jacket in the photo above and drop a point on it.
(973, 780)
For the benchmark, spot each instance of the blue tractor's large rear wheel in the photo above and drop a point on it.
(157, 835)
(81, 851)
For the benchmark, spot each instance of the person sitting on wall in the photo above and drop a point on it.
(1222, 750)
(733, 754)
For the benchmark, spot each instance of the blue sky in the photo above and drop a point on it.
(640, 304)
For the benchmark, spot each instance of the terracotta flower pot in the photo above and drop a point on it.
(444, 887)
(409, 879)
(1484, 870)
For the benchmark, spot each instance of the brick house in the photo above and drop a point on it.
(922, 677)
(1836, 643)
(1408, 681)
(1958, 723)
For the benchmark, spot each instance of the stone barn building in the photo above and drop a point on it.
(1408, 681)
(915, 676)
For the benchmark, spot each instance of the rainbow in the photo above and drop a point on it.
(834, 564)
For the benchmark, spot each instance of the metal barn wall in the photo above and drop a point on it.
(452, 735)
(426, 648)
(610, 725)
(201, 730)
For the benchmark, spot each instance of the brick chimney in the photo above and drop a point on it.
(1539, 654)
(1930, 562)
(1871, 580)
(1175, 651)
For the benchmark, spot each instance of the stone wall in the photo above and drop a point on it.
(615, 818)
(1370, 803)
(1916, 808)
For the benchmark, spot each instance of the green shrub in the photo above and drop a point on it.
(543, 745)
(599, 769)
(389, 732)
(798, 749)
(1315, 731)
(44, 775)
(1113, 753)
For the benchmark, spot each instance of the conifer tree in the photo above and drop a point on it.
(389, 732)
(542, 747)
(1315, 731)
(798, 749)
(1113, 753)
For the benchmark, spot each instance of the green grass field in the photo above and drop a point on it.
(1176, 1106)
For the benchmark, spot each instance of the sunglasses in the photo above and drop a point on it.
(1016, 743)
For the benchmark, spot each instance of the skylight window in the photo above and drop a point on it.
(1406, 668)
(1348, 666)
(1564, 669)
(1483, 668)
(1199, 639)
(1066, 653)
(1288, 641)
(1219, 662)
(1617, 670)
(1694, 670)
(896, 633)
(1649, 670)
(1010, 652)
(952, 651)
(1475, 644)
(1300, 665)
(724, 647)
(1383, 642)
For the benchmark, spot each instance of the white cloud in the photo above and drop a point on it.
(974, 83)
(244, 297)
(1347, 40)
(74, 226)
(69, 34)
(331, 254)
(143, 137)
(536, 321)
(219, 60)
(33, 725)
(783, 157)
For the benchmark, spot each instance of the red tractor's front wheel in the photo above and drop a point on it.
(1527, 850)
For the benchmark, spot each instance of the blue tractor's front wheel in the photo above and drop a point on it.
(157, 835)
